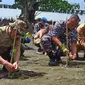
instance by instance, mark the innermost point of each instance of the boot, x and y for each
(52, 61)
(58, 57)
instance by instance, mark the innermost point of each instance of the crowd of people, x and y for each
(53, 39)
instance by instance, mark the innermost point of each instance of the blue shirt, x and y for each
(59, 30)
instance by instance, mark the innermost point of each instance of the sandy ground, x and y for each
(34, 70)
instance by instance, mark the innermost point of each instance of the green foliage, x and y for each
(28, 7)
(48, 5)
(56, 6)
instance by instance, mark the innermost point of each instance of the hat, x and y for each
(44, 19)
(18, 24)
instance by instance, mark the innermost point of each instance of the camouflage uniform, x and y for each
(81, 38)
(6, 43)
(58, 30)
(37, 27)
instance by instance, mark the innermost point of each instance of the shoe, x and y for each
(84, 55)
(59, 60)
(44, 53)
(77, 58)
(52, 63)
(40, 53)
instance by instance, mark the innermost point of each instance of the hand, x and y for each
(9, 66)
(72, 57)
(15, 64)
(83, 44)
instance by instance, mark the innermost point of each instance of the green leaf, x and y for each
(14, 50)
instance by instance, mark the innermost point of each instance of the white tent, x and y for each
(9, 13)
(14, 13)
(56, 16)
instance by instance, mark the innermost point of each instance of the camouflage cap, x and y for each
(18, 24)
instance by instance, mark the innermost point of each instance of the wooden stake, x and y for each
(12, 56)
(67, 54)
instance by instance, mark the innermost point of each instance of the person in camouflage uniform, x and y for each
(54, 43)
(9, 34)
(81, 38)
(42, 24)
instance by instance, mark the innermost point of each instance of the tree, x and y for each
(57, 6)
(28, 7)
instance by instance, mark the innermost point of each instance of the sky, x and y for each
(10, 2)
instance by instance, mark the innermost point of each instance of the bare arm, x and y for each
(73, 48)
(7, 64)
(57, 41)
(2, 61)
(73, 51)
(41, 32)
